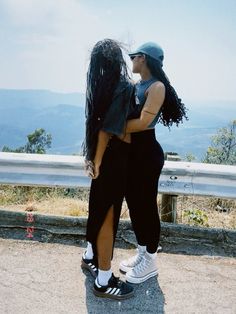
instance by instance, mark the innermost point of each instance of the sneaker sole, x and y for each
(86, 266)
(142, 279)
(112, 296)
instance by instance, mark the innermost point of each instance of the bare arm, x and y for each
(154, 101)
(103, 139)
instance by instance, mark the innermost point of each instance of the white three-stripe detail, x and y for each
(117, 291)
(108, 290)
(92, 266)
(113, 291)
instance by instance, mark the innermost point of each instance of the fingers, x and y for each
(90, 174)
(93, 173)
(92, 170)
(96, 173)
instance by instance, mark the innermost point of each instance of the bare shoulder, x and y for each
(157, 87)
(157, 90)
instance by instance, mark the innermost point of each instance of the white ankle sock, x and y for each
(89, 251)
(152, 255)
(104, 276)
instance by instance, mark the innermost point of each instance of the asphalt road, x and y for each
(46, 278)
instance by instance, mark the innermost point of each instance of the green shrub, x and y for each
(196, 217)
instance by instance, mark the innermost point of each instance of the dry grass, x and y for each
(54, 206)
(56, 201)
(74, 202)
(221, 213)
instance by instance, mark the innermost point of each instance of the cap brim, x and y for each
(133, 53)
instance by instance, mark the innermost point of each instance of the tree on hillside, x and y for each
(223, 146)
(37, 143)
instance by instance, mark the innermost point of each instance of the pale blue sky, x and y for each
(45, 44)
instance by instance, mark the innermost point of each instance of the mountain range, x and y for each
(62, 115)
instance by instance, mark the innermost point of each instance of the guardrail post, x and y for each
(169, 202)
(169, 208)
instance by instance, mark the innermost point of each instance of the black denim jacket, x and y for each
(121, 108)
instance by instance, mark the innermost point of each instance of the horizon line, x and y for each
(83, 93)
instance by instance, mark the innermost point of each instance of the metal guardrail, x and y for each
(68, 171)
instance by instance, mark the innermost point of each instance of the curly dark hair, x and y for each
(105, 70)
(172, 110)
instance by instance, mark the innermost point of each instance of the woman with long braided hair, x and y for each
(156, 101)
(109, 97)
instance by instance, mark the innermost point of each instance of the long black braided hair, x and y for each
(172, 110)
(105, 70)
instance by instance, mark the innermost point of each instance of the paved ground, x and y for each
(47, 278)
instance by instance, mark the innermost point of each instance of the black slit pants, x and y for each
(108, 190)
(146, 161)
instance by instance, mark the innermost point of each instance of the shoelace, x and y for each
(115, 281)
(134, 260)
(142, 266)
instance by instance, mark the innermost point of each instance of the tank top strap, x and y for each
(141, 88)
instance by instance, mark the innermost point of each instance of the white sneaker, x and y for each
(146, 269)
(133, 261)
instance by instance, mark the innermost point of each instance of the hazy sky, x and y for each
(45, 44)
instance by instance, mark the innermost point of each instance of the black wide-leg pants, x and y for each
(146, 160)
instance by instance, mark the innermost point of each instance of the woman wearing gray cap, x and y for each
(157, 101)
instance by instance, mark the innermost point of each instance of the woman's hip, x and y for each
(144, 146)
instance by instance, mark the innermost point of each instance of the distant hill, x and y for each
(39, 98)
(62, 115)
(194, 135)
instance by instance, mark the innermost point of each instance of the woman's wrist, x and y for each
(97, 162)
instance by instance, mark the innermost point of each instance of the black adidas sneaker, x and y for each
(90, 265)
(116, 289)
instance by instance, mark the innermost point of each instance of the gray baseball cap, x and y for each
(150, 49)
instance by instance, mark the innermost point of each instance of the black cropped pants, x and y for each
(146, 161)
